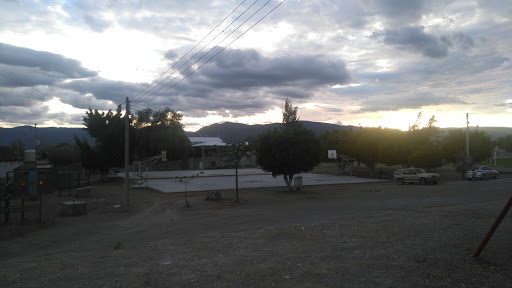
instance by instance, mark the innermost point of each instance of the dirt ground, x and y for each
(351, 235)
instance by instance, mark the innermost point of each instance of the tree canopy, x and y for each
(290, 150)
(160, 130)
(150, 133)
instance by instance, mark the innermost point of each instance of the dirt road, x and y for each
(351, 235)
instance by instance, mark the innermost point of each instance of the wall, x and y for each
(8, 167)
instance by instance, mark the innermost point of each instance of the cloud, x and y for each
(416, 40)
(246, 82)
(409, 101)
(101, 89)
(397, 10)
(45, 61)
(171, 55)
(241, 69)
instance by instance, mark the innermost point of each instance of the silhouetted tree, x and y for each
(288, 151)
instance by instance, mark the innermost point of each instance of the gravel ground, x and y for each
(351, 235)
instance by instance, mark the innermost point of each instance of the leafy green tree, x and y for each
(454, 147)
(367, 147)
(505, 142)
(425, 146)
(64, 154)
(288, 151)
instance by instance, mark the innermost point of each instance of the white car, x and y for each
(481, 173)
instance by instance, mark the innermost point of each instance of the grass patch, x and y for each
(503, 162)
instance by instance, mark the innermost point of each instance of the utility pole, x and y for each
(35, 137)
(467, 135)
(126, 154)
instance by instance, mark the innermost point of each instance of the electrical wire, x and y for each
(211, 49)
(224, 48)
(26, 85)
(193, 49)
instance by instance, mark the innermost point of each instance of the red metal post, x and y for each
(40, 203)
(493, 227)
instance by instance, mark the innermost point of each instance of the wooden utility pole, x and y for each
(126, 154)
(467, 135)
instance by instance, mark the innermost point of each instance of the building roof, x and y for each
(206, 141)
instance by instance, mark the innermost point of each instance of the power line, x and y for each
(224, 48)
(25, 84)
(211, 49)
(193, 49)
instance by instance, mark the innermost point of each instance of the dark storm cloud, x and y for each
(21, 96)
(25, 115)
(102, 89)
(242, 69)
(246, 82)
(416, 40)
(20, 76)
(45, 61)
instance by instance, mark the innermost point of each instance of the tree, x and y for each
(151, 132)
(290, 113)
(367, 147)
(425, 146)
(64, 154)
(454, 147)
(505, 142)
(288, 151)
(160, 130)
(235, 153)
(108, 131)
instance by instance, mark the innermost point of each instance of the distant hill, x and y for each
(46, 135)
(235, 132)
(229, 132)
(494, 132)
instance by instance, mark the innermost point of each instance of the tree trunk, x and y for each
(236, 180)
(288, 179)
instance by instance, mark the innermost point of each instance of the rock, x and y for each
(213, 195)
(72, 208)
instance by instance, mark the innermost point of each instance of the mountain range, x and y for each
(229, 132)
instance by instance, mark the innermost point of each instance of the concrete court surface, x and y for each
(222, 179)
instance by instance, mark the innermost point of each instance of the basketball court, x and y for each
(223, 179)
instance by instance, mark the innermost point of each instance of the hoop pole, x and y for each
(493, 228)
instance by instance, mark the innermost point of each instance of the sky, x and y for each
(354, 62)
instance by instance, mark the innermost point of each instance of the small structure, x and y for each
(73, 208)
(205, 142)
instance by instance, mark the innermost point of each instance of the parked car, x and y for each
(481, 173)
(415, 175)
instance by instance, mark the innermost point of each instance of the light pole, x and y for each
(495, 152)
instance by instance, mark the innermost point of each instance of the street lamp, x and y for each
(495, 152)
